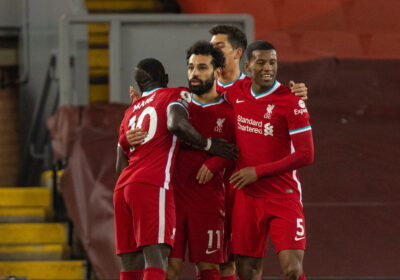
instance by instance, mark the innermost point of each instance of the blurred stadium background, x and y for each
(65, 68)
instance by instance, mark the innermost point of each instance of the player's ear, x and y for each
(246, 66)
(238, 53)
(217, 72)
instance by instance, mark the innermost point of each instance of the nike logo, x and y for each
(299, 238)
(239, 101)
(211, 252)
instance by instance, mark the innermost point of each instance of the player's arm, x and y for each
(303, 156)
(299, 89)
(210, 166)
(178, 124)
(122, 160)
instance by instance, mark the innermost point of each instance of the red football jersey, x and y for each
(211, 120)
(151, 162)
(263, 125)
(221, 87)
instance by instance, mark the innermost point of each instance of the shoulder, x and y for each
(180, 96)
(292, 104)
(129, 109)
(285, 93)
(240, 86)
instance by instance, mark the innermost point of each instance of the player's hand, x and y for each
(243, 177)
(133, 94)
(135, 136)
(299, 89)
(220, 147)
(204, 175)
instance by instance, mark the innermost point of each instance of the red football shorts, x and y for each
(253, 218)
(144, 215)
(203, 232)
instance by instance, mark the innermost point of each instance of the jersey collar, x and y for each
(241, 76)
(146, 93)
(219, 101)
(274, 87)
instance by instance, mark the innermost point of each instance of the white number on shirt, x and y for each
(151, 112)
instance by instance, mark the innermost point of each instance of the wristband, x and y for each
(208, 146)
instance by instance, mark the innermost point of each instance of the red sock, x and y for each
(210, 274)
(131, 274)
(232, 277)
(154, 273)
(302, 277)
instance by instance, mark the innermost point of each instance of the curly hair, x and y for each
(206, 48)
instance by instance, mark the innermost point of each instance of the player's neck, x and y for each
(260, 89)
(208, 97)
(230, 75)
(151, 87)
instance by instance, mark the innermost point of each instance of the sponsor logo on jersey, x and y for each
(268, 129)
(239, 101)
(268, 114)
(303, 109)
(249, 125)
(300, 112)
(220, 123)
(143, 103)
(249, 121)
(252, 126)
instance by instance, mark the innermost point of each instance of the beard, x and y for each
(203, 87)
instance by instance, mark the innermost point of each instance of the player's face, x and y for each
(221, 41)
(263, 67)
(201, 74)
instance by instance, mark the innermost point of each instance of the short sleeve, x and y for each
(297, 116)
(181, 97)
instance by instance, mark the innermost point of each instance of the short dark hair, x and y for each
(236, 37)
(206, 48)
(258, 45)
(153, 68)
